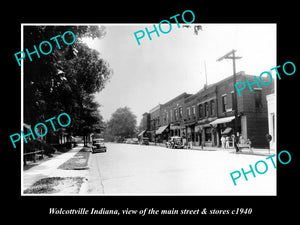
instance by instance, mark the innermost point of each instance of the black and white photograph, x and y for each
(150, 113)
(110, 111)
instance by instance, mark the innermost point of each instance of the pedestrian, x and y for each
(235, 143)
(184, 142)
(223, 140)
(190, 143)
(227, 142)
(242, 140)
(248, 142)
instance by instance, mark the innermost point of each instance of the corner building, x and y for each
(216, 116)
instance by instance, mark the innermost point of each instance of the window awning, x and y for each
(227, 130)
(161, 129)
(141, 133)
(222, 120)
(191, 123)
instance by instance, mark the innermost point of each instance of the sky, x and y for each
(160, 69)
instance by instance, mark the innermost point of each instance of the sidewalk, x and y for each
(49, 168)
(246, 151)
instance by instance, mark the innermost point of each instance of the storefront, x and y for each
(190, 131)
(162, 133)
(223, 127)
(198, 135)
(208, 135)
(175, 130)
(205, 133)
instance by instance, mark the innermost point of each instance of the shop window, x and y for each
(208, 134)
(206, 105)
(180, 112)
(212, 108)
(176, 114)
(200, 111)
(188, 111)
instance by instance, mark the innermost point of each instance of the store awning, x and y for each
(141, 133)
(227, 130)
(191, 123)
(161, 129)
(174, 127)
(222, 120)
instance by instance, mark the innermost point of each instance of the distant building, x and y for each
(145, 126)
(154, 121)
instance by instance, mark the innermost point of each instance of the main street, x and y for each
(154, 170)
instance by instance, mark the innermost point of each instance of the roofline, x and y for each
(214, 85)
(184, 94)
(155, 108)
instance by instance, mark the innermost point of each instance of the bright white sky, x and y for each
(166, 66)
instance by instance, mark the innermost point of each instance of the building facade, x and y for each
(144, 129)
(172, 117)
(204, 117)
(201, 109)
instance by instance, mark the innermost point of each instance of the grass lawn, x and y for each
(52, 185)
(78, 161)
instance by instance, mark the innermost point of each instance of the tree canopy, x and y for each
(66, 79)
(122, 124)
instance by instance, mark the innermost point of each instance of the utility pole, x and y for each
(231, 55)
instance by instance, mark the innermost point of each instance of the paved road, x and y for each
(152, 170)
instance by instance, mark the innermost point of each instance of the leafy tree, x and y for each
(66, 79)
(122, 124)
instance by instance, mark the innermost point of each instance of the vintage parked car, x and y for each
(98, 145)
(135, 141)
(175, 142)
(144, 141)
(132, 141)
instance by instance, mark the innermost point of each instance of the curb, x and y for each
(84, 186)
(252, 153)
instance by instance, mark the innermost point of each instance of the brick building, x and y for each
(201, 109)
(207, 115)
(172, 116)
